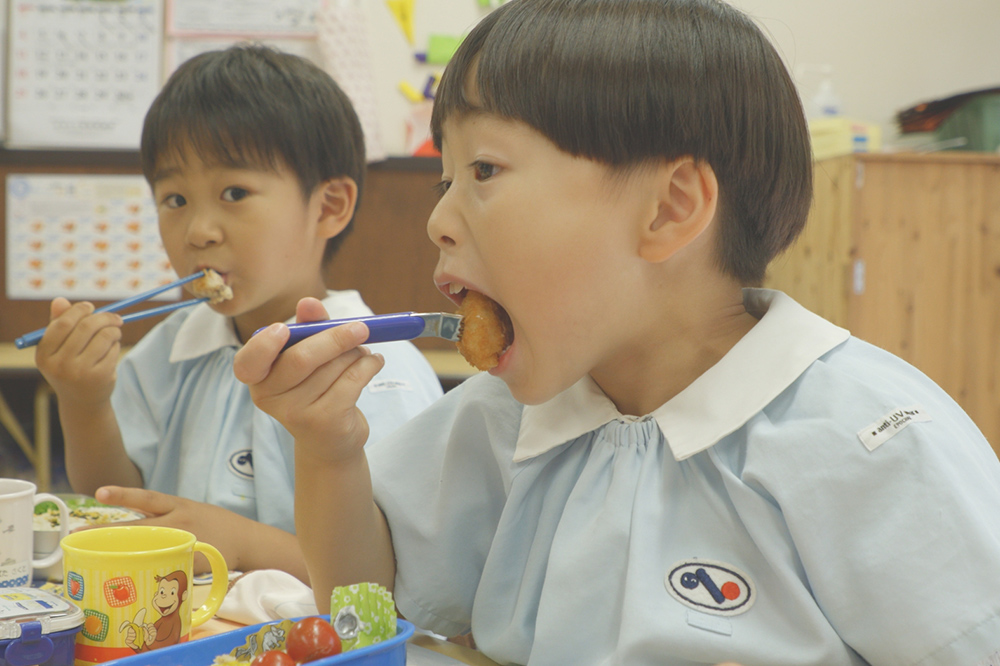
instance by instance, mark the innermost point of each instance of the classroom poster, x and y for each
(289, 18)
(81, 73)
(83, 237)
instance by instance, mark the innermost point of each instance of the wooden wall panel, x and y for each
(923, 231)
(928, 229)
(816, 269)
(388, 256)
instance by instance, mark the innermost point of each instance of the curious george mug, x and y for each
(134, 586)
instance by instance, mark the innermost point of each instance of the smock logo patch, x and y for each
(711, 587)
(241, 464)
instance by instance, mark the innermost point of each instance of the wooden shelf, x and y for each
(904, 251)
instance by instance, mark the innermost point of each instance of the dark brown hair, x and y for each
(251, 105)
(630, 82)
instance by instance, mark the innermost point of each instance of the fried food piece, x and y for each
(211, 286)
(486, 331)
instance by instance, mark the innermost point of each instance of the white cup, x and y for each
(17, 510)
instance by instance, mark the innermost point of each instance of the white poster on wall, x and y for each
(82, 73)
(83, 237)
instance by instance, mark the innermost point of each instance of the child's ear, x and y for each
(337, 199)
(688, 198)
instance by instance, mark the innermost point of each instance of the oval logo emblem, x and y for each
(711, 587)
(241, 464)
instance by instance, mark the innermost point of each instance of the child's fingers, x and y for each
(148, 502)
(325, 403)
(76, 329)
(64, 319)
(312, 371)
(58, 306)
(93, 336)
(302, 360)
(252, 364)
(296, 383)
(310, 309)
(338, 384)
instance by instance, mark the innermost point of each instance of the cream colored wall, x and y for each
(887, 54)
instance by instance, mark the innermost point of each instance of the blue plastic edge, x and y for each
(202, 651)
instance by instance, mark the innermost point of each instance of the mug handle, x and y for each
(56, 554)
(220, 584)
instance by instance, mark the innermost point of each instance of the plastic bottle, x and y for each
(826, 102)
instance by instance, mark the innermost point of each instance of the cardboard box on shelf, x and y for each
(837, 135)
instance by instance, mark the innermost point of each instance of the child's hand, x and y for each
(209, 523)
(245, 544)
(312, 388)
(79, 352)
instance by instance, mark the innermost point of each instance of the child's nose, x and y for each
(441, 226)
(203, 230)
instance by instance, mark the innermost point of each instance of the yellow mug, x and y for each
(134, 586)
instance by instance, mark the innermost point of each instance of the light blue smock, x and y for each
(809, 500)
(193, 431)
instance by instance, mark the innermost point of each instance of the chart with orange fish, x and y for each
(85, 237)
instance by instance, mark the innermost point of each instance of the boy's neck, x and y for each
(245, 324)
(674, 350)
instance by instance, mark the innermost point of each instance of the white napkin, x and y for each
(266, 595)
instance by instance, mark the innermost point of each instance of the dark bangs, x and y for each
(251, 106)
(627, 82)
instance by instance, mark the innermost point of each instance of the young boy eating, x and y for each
(666, 465)
(256, 161)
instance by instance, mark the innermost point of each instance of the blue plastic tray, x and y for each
(202, 651)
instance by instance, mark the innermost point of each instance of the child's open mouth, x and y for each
(487, 331)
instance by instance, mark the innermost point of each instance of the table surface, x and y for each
(12, 358)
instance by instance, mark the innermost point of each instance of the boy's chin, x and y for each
(531, 392)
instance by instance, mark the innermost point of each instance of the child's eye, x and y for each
(442, 187)
(233, 194)
(174, 201)
(484, 170)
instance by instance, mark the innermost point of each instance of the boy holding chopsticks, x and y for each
(256, 161)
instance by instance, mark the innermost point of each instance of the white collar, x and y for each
(203, 332)
(786, 340)
(206, 331)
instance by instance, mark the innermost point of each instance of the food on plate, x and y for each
(211, 286)
(83, 512)
(486, 331)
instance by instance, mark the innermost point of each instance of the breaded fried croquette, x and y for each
(212, 287)
(486, 331)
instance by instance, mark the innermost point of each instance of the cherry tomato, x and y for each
(312, 638)
(272, 658)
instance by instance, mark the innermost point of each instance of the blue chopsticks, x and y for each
(32, 339)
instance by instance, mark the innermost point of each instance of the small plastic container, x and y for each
(203, 651)
(37, 627)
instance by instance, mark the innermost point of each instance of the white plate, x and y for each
(46, 525)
